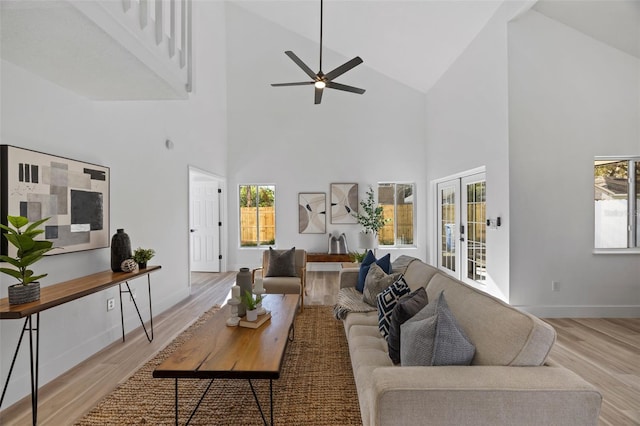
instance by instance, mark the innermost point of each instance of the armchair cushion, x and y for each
(282, 263)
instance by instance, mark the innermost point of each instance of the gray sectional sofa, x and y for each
(509, 382)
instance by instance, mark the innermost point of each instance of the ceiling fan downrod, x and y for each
(319, 79)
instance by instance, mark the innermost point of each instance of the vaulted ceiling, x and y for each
(416, 41)
(411, 41)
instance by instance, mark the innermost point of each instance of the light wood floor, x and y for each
(606, 352)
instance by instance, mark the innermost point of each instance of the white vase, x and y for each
(368, 240)
(252, 315)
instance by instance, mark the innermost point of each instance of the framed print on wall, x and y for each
(344, 201)
(73, 194)
(312, 212)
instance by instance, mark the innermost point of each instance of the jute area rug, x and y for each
(316, 386)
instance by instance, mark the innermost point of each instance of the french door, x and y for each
(462, 227)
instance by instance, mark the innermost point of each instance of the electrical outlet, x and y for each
(555, 286)
(111, 304)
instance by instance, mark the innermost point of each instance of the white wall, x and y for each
(534, 101)
(467, 128)
(571, 98)
(148, 191)
(278, 136)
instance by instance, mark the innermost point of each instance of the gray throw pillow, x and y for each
(406, 308)
(416, 341)
(435, 340)
(376, 281)
(282, 263)
(451, 346)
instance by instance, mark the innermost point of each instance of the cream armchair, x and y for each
(284, 284)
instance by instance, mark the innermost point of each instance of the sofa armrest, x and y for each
(348, 277)
(482, 395)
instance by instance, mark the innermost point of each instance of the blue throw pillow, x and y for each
(384, 262)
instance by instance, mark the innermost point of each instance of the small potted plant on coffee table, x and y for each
(251, 304)
(29, 251)
(142, 256)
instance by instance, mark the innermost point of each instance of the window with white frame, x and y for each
(616, 202)
(257, 215)
(397, 201)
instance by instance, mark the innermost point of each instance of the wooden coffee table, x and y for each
(218, 351)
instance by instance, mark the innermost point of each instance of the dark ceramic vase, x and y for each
(243, 280)
(120, 250)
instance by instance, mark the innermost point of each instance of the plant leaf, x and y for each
(10, 260)
(12, 272)
(36, 278)
(35, 224)
(18, 221)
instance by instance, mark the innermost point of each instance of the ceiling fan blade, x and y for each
(343, 68)
(338, 86)
(302, 83)
(301, 64)
(318, 96)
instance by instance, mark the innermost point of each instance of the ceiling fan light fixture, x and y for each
(321, 80)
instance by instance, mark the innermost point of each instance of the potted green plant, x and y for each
(371, 218)
(357, 257)
(29, 251)
(142, 256)
(251, 304)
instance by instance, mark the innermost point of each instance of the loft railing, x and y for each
(165, 23)
(162, 26)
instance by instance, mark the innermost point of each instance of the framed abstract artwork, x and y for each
(74, 195)
(344, 201)
(312, 212)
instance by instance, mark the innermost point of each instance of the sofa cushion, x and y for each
(376, 281)
(406, 307)
(387, 300)
(384, 262)
(282, 263)
(502, 334)
(435, 340)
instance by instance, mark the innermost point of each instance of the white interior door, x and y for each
(204, 224)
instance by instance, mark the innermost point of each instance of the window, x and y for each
(257, 215)
(617, 202)
(396, 200)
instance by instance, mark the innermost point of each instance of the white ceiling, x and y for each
(413, 42)
(614, 22)
(416, 41)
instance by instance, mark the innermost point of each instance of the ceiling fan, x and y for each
(319, 79)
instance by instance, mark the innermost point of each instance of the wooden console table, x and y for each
(326, 257)
(56, 295)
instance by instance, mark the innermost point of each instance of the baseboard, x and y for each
(575, 311)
